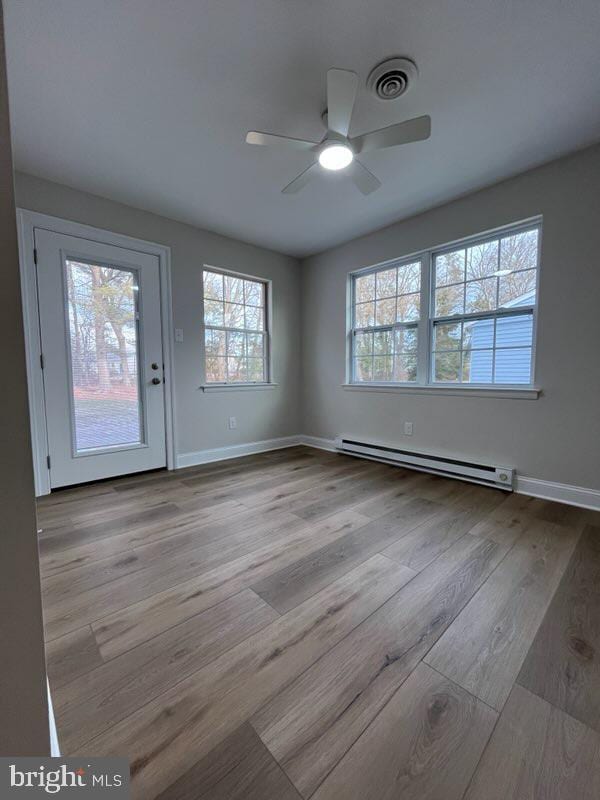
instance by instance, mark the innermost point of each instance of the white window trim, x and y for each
(424, 385)
(239, 385)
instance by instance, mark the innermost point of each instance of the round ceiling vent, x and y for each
(392, 78)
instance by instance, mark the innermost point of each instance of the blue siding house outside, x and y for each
(513, 364)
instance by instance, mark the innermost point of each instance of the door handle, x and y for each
(156, 381)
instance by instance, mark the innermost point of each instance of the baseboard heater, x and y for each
(498, 477)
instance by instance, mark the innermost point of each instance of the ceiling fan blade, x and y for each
(364, 179)
(413, 130)
(257, 137)
(301, 181)
(342, 85)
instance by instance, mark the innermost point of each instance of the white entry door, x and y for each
(100, 326)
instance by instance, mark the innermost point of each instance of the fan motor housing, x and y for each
(392, 78)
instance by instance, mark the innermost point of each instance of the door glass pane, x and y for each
(101, 309)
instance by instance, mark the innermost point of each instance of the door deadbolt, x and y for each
(156, 381)
(154, 365)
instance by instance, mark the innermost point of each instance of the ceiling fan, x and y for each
(336, 150)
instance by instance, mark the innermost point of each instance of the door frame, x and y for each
(27, 221)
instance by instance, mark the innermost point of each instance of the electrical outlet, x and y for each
(232, 423)
(408, 428)
(179, 334)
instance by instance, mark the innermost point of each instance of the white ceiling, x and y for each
(148, 102)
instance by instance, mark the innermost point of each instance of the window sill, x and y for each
(237, 387)
(454, 391)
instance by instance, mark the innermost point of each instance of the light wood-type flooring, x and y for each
(303, 624)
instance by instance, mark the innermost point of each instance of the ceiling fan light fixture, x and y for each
(336, 156)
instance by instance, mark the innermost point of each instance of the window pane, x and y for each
(215, 370)
(408, 307)
(101, 320)
(236, 369)
(255, 345)
(214, 343)
(364, 288)
(406, 340)
(385, 312)
(236, 344)
(449, 301)
(234, 315)
(365, 315)
(405, 368)
(383, 343)
(513, 365)
(482, 260)
(514, 331)
(253, 293)
(447, 367)
(517, 289)
(382, 368)
(409, 278)
(234, 289)
(256, 369)
(386, 283)
(363, 369)
(481, 295)
(450, 268)
(447, 336)
(363, 344)
(237, 305)
(478, 334)
(519, 251)
(477, 366)
(254, 317)
(213, 285)
(213, 312)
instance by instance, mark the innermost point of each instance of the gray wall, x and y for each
(23, 704)
(201, 418)
(556, 437)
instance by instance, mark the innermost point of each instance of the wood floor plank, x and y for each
(210, 546)
(240, 768)
(217, 522)
(424, 744)
(228, 567)
(537, 752)
(329, 499)
(202, 710)
(102, 697)
(563, 664)
(291, 585)
(404, 488)
(159, 649)
(122, 630)
(484, 648)
(99, 530)
(71, 655)
(504, 528)
(311, 724)
(287, 487)
(421, 545)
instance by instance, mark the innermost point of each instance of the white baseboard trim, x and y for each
(559, 492)
(235, 451)
(320, 444)
(546, 490)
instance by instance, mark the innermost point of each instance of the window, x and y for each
(481, 297)
(387, 308)
(235, 329)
